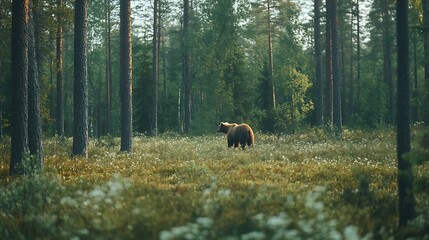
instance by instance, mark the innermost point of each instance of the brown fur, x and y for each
(237, 134)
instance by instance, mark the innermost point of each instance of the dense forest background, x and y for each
(238, 61)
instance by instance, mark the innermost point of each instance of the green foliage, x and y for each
(372, 106)
(419, 157)
(291, 114)
(309, 184)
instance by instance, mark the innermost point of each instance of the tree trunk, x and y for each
(52, 85)
(425, 113)
(1, 106)
(108, 71)
(126, 76)
(186, 68)
(387, 60)
(270, 57)
(335, 67)
(329, 77)
(406, 203)
(343, 84)
(19, 103)
(155, 70)
(318, 104)
(351, 82)
(67, 121)
(414, 92)
(80, 137)
(358, 83)
(60, 103)
(34, 121)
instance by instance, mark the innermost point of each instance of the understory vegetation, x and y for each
(311, 184)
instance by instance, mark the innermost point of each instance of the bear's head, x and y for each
(224, 126)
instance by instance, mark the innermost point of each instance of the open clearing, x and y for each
(177, 187)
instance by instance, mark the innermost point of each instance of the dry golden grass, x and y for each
(177, 187)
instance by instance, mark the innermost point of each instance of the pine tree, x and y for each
(19, 61)
(80, 121)
(126, 76)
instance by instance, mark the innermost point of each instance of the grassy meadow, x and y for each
(307, 185)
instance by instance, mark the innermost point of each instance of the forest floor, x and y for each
(311, 184)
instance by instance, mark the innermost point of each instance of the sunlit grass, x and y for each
(177, 187)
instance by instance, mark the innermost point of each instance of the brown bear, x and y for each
(237, 133)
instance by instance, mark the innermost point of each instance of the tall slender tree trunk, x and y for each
(1, 106)
(108, 71)
(351, 82)
(126, 76)
(52, 84)
(329, 77)
(414, 92)
(155, 70)
(425, 113)
(60, 102)
(186, 68)
(387, 62)
(80, 136)
(335, 67)
(343, 83)
(34, 121)
(164, 66)
(358, 46)
(67, 121)
(1, 117)
(270, 56)
(406, 203)
(19, 62)
(318, 57)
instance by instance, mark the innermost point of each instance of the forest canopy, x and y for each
(246, 61)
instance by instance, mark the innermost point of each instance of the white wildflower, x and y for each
(166, 235)
(97, 194)
(253, 236)
(68, 201)
(224, 193)
(276, 222)
(205, 222)
(351, 233)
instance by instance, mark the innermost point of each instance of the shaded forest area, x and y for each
(264, 63)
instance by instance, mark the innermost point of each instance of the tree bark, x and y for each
(387, 60)
(108, 71)
(126, 75)
(1, 106)
(155, 61)
(406, 201)
(329, 77)
(34, 121)
(60, 102)
(335, 67)
(80, 137)
(270, 57)
(186, 68)
(318, 67)
(358, 73)
(425, 113)
(19, 103)
(351, 82)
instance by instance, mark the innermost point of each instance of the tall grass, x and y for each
(309, 184)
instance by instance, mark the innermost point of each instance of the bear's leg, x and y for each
(243, 145)
(235, 145)
(230, 143)
(249, 142)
